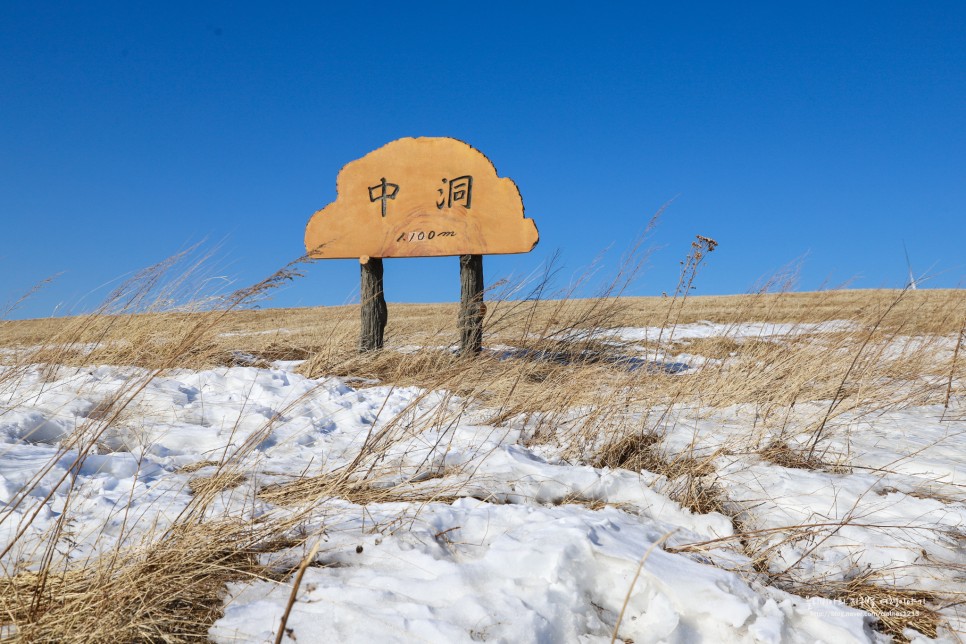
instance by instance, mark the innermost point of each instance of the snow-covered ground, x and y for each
(520, 545)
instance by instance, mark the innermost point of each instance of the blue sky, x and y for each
(831, 133)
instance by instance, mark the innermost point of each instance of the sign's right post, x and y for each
(471, 304)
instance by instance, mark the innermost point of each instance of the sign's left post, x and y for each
(374, 311)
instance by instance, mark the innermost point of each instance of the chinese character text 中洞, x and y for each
(383, 192)
(458, 190)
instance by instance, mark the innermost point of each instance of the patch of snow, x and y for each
(532, 549)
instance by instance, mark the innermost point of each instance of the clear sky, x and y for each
(831, 133)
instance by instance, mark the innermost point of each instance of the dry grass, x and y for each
(920, 313)
(643, 453)
(691, 480)
(210, 485)
(310, 490)
(782, 454)
(895, 609)
(168, 590)
(560, 372)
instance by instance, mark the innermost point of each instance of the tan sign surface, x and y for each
(422, 197)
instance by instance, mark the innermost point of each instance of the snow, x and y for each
(744, 330)
(515, 573)
(529, 548)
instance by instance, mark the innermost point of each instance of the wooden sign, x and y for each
(421, 197)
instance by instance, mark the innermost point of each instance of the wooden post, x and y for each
(374, 312)
(471, 304)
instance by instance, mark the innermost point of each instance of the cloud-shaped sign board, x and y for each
(421, 197)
